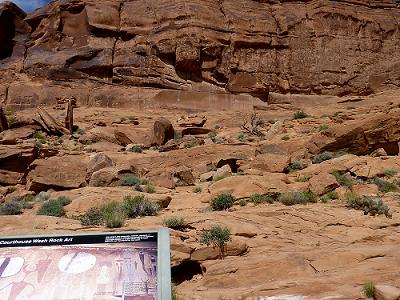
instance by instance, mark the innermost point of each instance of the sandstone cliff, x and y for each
(237, 46)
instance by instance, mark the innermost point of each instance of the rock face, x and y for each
(58, 173)
(238, 46)
(162, 131)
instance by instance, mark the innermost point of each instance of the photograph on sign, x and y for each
(86, 267)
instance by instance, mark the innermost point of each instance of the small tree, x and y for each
(216, 236)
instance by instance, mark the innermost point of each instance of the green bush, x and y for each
(136, 149)
(302, 178)
(385, 186)
(323, 127)
(343, 179)
(94, 216)
(296, 197)
(177, 223)
(41, 197)
(114, 215)
(64, 200)
(300, 115)
(257, 199)
(286, 138)
(222, 202)
(295, 166)
(139, 206)
(329, 196)
(390, 172)
(370, 205)
(242, 202)
(369, 289)
(149, 188)
(11, 208)
(129, 180)
(216, 236)
(319, 158)
(197, 189)
(53, 208)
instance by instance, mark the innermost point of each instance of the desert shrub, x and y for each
(11, 208)
(222, 202)
(242, 202)
(300, 115)
(390, 172)
(343, 179)
(257, 199)
(177, 137)
(323, 127)
(216, 236)
(129, 180)
(197, 189)
(319, 158)
(177, 223)
(242, 137)
(39, 137)
(94, 216)
(370, 205)
(174, 293)
(385, 186)
(139, 206)
(296, 197)
(27, 205)
(64, 200)
(42, 196)
(218, 178)
(302, 178)
(114, 215)
(329, 196)
(149, 188)
(369, 289)
(52, 207)
(295, 166)
(11, 189)
(286, 138)
(136, 149)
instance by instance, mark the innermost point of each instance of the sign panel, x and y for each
(106, 266)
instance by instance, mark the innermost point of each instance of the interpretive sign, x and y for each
(105, 266)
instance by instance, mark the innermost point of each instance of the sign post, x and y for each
(94, 266)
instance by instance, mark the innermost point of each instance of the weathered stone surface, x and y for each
(9, 177)
(184, 176)
(97, 162)
(274, 163)
(109, 175)
(58, 173)
(209, 44)
(365, 189)
(122, 138)
(222, 172)
(233, 248)
(386, 292)
(362, 136)
(162, 131)
(322, 183)
(195, 130)
(11, 136)
(17, 158)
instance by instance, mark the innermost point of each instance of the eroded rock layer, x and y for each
(236, 46)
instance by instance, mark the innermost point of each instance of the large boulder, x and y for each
(17, 158)
(58, 173)
(361, 137)
(97, 162)
(274, 163)
(323, 183)
(162, 131)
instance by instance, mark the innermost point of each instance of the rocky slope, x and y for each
(320, 250)
(241, 46)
